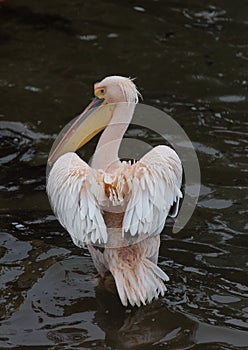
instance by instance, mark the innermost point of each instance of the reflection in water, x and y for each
(138, 327)
(191, 60)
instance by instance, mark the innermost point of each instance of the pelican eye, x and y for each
(100, 92)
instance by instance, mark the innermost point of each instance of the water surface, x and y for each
(190, 60)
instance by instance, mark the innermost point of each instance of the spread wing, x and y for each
(78, 193)
(75, 193)
(156, 183)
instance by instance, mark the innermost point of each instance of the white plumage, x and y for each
(79, 193)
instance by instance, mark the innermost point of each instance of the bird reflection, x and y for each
(135, 327)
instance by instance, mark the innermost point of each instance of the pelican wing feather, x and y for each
(74, 192)
(156, 184)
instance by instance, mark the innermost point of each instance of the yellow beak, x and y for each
(82, 129)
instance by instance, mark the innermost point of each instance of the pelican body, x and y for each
(117, 209)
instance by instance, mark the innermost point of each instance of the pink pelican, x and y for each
(116, 208)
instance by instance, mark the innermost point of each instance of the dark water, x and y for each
(190, 59)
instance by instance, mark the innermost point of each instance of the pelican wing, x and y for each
(75, 192)
(156, 183)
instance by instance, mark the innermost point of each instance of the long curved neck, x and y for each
(106, 154)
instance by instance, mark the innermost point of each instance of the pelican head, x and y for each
(108, 92)
(116, 89)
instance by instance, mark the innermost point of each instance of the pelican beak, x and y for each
(82, 129)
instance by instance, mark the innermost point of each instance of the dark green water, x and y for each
(190, 59)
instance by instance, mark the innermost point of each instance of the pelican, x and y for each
(117, 208)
